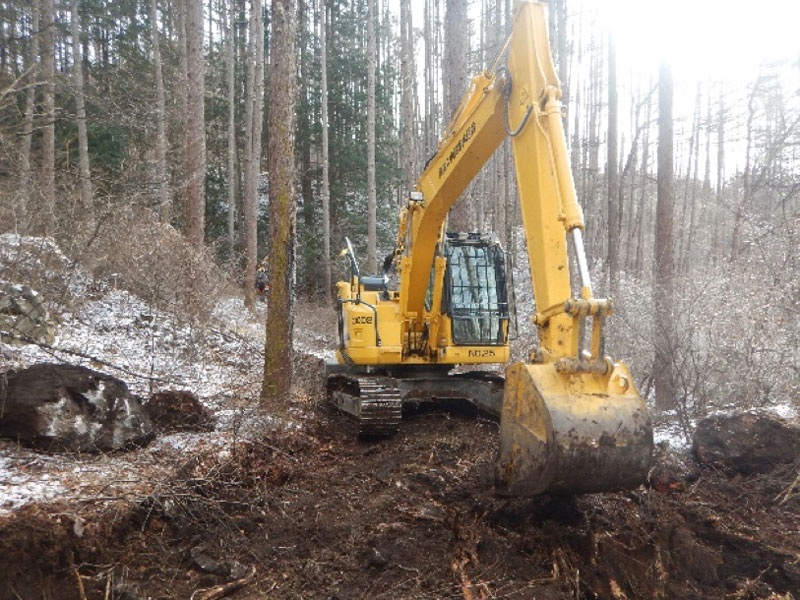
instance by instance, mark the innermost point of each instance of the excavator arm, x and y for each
(521, 101)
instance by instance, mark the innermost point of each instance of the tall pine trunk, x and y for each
(612, 171)
(87, 201)
(278, 348)
(253, 111)
(407, 95)
(165, 208)
(326, 186)
(48, 183)
(230, 19)
(195, 124)
(372, 228)
(454, 72)
(663, 283)
(24, 195)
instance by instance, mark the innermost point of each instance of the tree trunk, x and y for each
(161, 118)
(278, 347)
(454, 70)
(87, 201)
(613, 169)
(23, 202)
(747, 178)
(195, 125)
(407, 98)
(252, 155)
(663, 284)
(720, 175)
(326, 186)
(48, 183)
(230, 14)
(372, 230)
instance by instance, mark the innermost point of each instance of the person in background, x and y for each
(262, 281)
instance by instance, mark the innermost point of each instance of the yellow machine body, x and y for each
(571, 419)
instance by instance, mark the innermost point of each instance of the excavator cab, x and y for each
(475, 290)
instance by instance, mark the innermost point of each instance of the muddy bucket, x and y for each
(571, 433)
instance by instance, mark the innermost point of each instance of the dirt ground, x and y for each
(311, 512)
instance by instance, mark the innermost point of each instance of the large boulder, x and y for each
(70, 408)
(23, 316)
(746, 442)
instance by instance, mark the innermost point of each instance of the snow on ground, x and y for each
(114, 331)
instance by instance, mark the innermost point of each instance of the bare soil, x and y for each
(319, 514)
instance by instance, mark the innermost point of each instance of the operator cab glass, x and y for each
(475, 292)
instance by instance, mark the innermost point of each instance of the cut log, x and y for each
(747, 442)
(70, 408)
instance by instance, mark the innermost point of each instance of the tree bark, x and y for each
(230, 18)
(253, 112)
(48, 183)
(195, 125)
(278, 347)
(164, 204)
(407, 97)
(454, 70)
(326, 186)
(80, 114)
(720, 174)
(663, 284)
(613, 169)
(372, 230)
(24, 198)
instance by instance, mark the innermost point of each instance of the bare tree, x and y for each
(165, 208)
(612, 169)
(372, 230)
(230, 18)
(407, 94)
(663, 284)
(454, 69)
(48, 181)
(253, 112)
(278, 349)
(326, 185)
(27, 126)
(195, 125)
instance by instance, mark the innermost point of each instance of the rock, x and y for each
(23, 316)
(747, 442)
(71, 408)
(203, 562)
(175, 410)
(376, 560)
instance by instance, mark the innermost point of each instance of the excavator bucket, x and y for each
(567, 433)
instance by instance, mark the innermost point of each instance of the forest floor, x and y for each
(308, 511)
(293, 505)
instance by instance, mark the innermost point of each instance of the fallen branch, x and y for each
(226, 589)
(788, 491)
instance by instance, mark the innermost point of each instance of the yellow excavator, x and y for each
(571, 420)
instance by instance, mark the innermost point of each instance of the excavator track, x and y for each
(374, 401)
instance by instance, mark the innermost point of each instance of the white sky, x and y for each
(704, 39)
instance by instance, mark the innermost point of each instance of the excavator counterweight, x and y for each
(571, 419)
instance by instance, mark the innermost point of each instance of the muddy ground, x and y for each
(311, 512)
